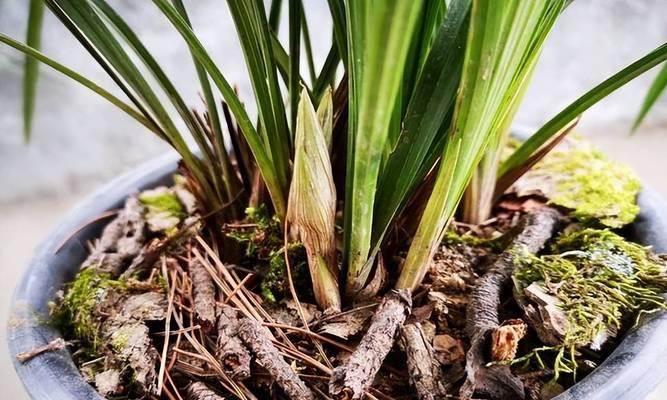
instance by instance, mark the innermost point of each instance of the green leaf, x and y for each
(378, 31)
(502, 44)
(422, 138)
(654, 92)
(87, 19)
(31, 67)
(307, 45)
(274, 14)
(295, 13)
(276, 186)
(311, 210)
(337, 10)
(327, 74)
(33, 53)
(583, 103)
(480, 193)
(253, 33)
(230, 181)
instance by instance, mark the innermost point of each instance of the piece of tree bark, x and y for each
(505, 339)
(108, 382)
(233, 356)
(121, 240)
(424, 371)
(498, 382)
(349, 381)
(203, 291)
(258, 339)
(199, 391)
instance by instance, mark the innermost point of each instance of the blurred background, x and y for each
(79, 141)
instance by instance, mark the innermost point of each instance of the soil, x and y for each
(159, 310)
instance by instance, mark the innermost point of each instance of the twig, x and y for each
(425, 373)
(199, 391)
(54, 345)
(351, 380)
(258, 340)
(167, 327)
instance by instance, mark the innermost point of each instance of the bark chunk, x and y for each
(349, 381)
(498, 382)
(199, 391)
(233, 356)
(424, 371)
(121, 241)
(203, 290)
(258, 339)
(108, 382)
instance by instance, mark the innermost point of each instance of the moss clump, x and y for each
(158, 202)
(495, 244)
(261, 234)
(584, 180)
(75, 314)
(275, 284)
(120, 339)
(600, 281)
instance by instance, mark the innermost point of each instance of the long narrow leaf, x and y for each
(295, 13)
(274, 14)
(429, 110)
(501, 44)
(253, 32)
(327, 74)
(276, 187)
(307, 45)
(381, 32)
(126, 108)
(337, 10)
(657, 88)
(232, 185)
(582, 104)
(31, 67)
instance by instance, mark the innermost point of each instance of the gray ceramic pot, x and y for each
(629, 373)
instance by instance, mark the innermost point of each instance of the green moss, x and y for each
(260, 216)
(263, 235)
(275, 284)
(74, 315)
(453, 238)
(121, 339)
(163, 202)
(584, 180)
(600, 280)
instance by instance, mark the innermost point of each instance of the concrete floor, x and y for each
(80, 142)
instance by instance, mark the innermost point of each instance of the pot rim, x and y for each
(625, 374)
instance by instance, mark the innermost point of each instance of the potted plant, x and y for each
(313, 253)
